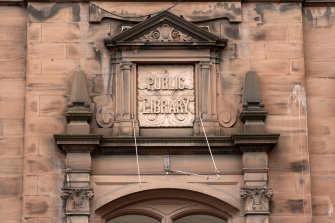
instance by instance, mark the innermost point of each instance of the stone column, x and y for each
(205, 88)
(124, 117)
(255, 193)
(255, 142)
(205, 91)
(126, 91)
(78, 144)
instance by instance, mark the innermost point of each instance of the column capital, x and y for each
(77, 200)
(126, 65)
(205, 65)
(256, 199)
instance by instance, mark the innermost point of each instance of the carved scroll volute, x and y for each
(105, 115)
(256, 199)
(77, 200)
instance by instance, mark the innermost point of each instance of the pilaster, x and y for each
(78, 144)
(255, 142)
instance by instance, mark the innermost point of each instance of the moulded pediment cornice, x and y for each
(304, 2)
(165, 29)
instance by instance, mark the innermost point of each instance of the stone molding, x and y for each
(256, 199)
(77, 200)
(166, 27)
(235, 144)
(77, 143)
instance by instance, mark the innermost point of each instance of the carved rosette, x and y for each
(105, 116)
(77, 200)
(165, 33)
(256, 199)
(228, 117)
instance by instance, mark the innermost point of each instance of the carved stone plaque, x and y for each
(166, 95)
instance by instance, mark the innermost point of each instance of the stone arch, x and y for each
(195, 203)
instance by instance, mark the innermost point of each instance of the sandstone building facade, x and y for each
(172, 111)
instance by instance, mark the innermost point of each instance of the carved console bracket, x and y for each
(77, 200)
(256, 199)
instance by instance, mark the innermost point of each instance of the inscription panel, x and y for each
(166, 95)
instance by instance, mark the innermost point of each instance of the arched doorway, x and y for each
(167, 206)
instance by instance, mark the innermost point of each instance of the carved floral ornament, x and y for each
(165, 33)
(256, 199)
(77, 199)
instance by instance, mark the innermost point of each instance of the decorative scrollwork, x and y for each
(228, 117)
(256, 199)
(165, 33)
(105, 116)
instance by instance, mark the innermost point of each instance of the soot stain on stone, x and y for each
(299, 166)
(97, 54)
(37, 207)
(302, 181)
(271, 206)
(236, 10)
(261, 7)
(287, 7)
(75, 12)
(232, 32)
(260, 36)
(46, 14)
(296, 206)
(328, 13)
(200, 12)
(308, 14)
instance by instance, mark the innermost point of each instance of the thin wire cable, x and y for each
(209, 148)
(137, 160)
(194, 174)
(136, 17)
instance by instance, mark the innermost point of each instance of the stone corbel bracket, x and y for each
(255, 142)
(77, 200)
(77, 143)
(256, 199)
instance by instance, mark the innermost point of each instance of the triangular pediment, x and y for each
(165, 29)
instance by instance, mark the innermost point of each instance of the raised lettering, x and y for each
(164, 106)
(150, 82)
(185, 103)
(157, 106)
(179, 106)
(181, 85)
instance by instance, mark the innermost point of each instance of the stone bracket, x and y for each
(77, 143)
(255, 142)
(256, 199)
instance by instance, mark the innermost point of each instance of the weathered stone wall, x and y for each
(319, 33)
(52, 32)
(275, 40)
(272, 41)
(12, 86)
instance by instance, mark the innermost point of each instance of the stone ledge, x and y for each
(235, 144)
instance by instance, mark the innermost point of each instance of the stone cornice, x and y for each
(312, 2)
(234, 144)
(304, 2)
(77, 143)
